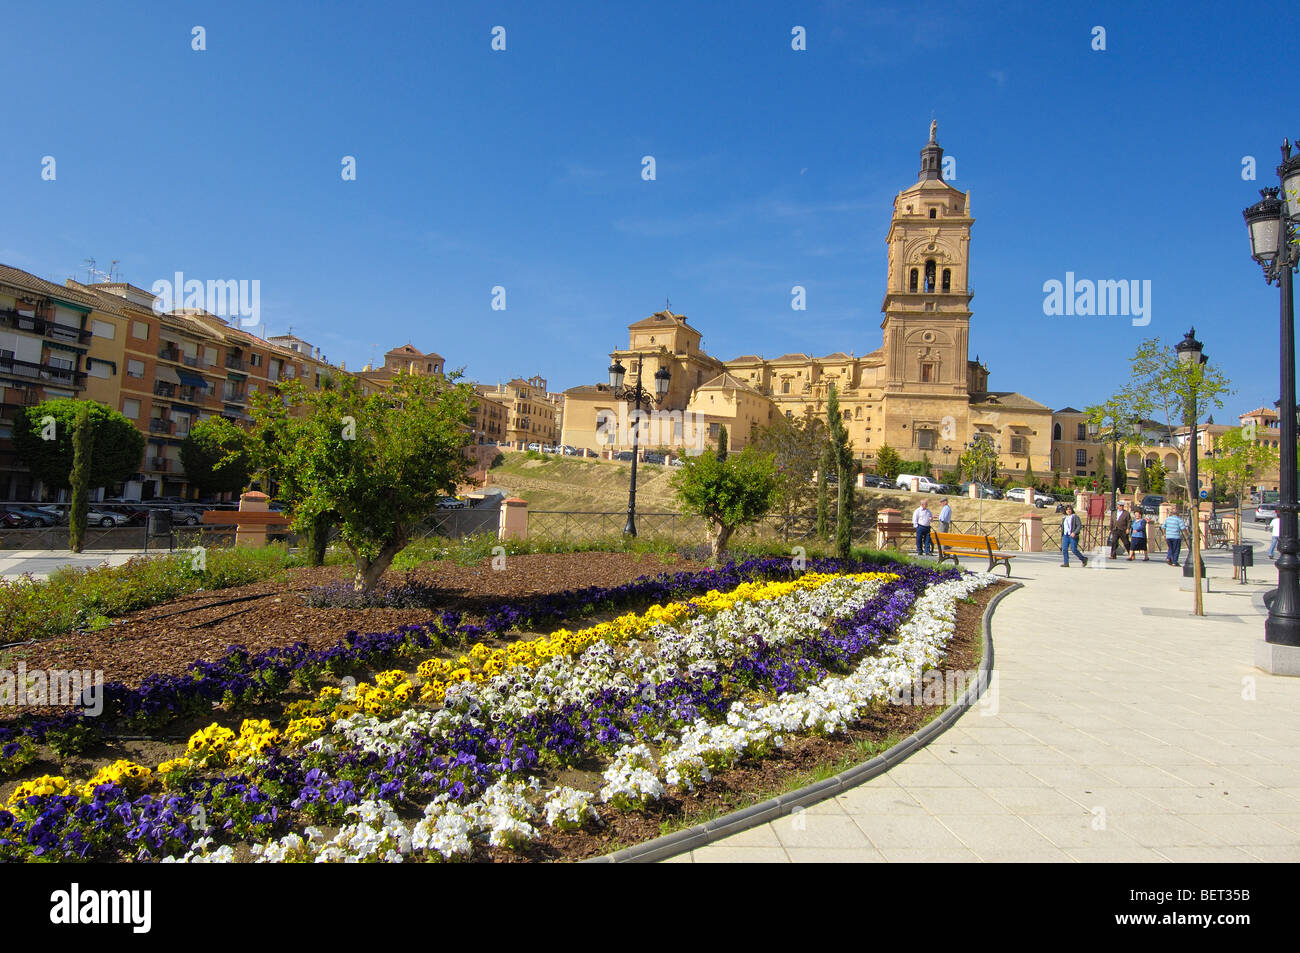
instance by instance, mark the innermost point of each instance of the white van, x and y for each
(904, 482)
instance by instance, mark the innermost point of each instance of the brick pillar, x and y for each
(514, 519)
(253, 534)
(973, 491)
(1029, 496)
(891, 519)
(1031, 533)
(916, 484)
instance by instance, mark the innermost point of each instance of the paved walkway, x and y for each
(1124, 729)
(41, 562)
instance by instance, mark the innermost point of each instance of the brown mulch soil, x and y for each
(168, 637)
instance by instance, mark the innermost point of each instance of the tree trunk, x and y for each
(83, 442)
(718, 540)
(369, 571)
(317, 539)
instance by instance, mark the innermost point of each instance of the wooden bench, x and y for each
(953, 545)
(893, 532)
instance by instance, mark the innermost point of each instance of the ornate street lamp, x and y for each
(1190, 353)
(1272, 223)
(637, 394)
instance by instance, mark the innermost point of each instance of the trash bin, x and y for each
(160, 524)
(1243, 555)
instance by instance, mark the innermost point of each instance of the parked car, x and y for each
(624, 455)
(927, 485)
(1264, 512)
(33, 517)
(1044, 500)
(653, 457)
(535, 446)
(106, 518)
(1150, 504)
(60, 513)
(11, 520)
(570, 451)
(134, 513)
(985, 491)
(877, 481)
(450, 503)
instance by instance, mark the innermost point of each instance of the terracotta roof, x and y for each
(1006, 398)
(29, 282)
(748, 358)
(590, 390)
(728, 381)
(663, 319)
(793, 357)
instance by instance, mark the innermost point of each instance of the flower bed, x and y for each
(487, 746)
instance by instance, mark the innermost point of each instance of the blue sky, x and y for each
(775, 168)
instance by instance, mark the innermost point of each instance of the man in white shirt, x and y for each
(1274, 527)
(921, 520)
(945, 516)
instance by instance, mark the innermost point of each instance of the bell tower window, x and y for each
(929, 275)
(947, 280)
(915, 277)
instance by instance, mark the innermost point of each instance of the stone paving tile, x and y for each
(1287, 854)
(879, 801)
(1206, 855)
(997, 775)
(1116, 855)
(720, 854)
(928, 855)
(968, 800)
(911, 775)
(761, 836)
(1024, 801)
(1164, 830)
(1243, 830)
(819, 831)
(822, 855)
(892, 831)
(994, 832)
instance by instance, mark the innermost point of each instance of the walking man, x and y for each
(1173, 528)
(1275, 528)
(1119, 532)
(921, 520)
(1071, 527)
(945, 516)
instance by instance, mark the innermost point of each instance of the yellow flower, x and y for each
(38, 787)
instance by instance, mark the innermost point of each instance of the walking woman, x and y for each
(1071, 527)
(1139, 537)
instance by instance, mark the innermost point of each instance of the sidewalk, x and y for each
(1123, 729)
(41, 562)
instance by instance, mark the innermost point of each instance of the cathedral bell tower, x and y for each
(927, 294)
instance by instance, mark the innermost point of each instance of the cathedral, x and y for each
(919, 392)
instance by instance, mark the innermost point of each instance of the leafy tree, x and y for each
(842, 454)
(794, 445)
(376, 464)
(1238, 462)
(888, 463)
(1160, 384)
(216, 457)
(119, 446)
(1030, 479)
(727, 493)
(83, 444)
(926, 468)
(979, 463)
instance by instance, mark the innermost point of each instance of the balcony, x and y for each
(43, 372)
(236, 364)
(35, 325)
(160, 426)
(169, 354)
(164, 389)
(234, 396)
(190, 361)
(159, 464)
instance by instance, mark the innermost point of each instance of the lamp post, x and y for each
(1272, 223)
(1190, 353)
(636, 393)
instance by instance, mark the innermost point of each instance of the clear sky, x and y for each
(774, 167)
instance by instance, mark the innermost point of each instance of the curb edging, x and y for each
(692, 838)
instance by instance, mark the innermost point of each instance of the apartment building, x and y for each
(532, 412)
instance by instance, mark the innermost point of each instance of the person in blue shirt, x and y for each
(1174, 527)
(945, 516)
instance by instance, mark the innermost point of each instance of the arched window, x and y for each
(858, 413)
(915, 276)
(947, 280)
(785, 386)
(848, 415)
(1056, 431)
(929, 275)
(933, 212)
